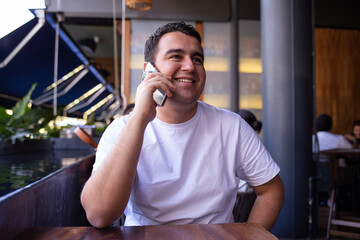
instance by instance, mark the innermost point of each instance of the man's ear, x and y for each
(144, 65)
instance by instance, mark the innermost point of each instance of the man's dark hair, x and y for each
(152, 43)
(323, 123)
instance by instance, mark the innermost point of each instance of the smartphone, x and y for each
(159, 95)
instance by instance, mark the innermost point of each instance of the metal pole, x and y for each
(287, 59)
(234, 57)
(116, 70)
(123, 34)
(56, 59)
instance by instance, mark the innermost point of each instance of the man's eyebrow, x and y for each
(170, 51)
(198, 54)
(174, 51)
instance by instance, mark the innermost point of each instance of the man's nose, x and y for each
(188, 64)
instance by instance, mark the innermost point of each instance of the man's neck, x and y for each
(172, 113)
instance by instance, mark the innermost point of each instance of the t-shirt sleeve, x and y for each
(108, 140)
(254, 163)
(343, 143)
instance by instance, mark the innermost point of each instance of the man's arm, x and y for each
(106, 193)
(349, 137)
(269, 201)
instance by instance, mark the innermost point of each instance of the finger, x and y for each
(157, 76)
(161, 81)
(167, 86)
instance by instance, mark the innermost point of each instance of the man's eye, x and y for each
(175, 56)
(198, 60)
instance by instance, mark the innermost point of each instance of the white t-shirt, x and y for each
(189, 172)
(328, 140)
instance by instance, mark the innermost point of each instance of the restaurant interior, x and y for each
(286, 61)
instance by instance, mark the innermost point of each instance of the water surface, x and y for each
(19, 170)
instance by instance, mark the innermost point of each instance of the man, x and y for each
(181, 163)
(324, 139)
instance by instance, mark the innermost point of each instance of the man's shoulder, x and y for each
(117, 124)
(210, 109)
(333, 140)
(326, 134)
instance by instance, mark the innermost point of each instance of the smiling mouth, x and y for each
(184, 80)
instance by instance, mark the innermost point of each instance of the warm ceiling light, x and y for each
(140, 5)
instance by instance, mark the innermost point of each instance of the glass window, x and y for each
(216, 44)
(250, 66)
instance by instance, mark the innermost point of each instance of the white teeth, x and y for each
(184, 80)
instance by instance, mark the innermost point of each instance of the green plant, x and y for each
(24, 122)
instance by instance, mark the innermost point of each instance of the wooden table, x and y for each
(226, 231)
(334, 155)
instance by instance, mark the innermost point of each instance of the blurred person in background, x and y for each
(354, 137)
(324, 139)
(129, 108)
(250, 118)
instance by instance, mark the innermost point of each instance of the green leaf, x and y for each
(20, 108)
(3, 115)
(91, 119)
(5, 133)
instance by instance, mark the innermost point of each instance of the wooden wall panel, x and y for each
(338, 76)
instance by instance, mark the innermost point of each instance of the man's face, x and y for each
(181, 57)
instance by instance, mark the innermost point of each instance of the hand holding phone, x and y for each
(159, 95)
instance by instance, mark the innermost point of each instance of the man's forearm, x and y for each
(269, 201)
(106, 193)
